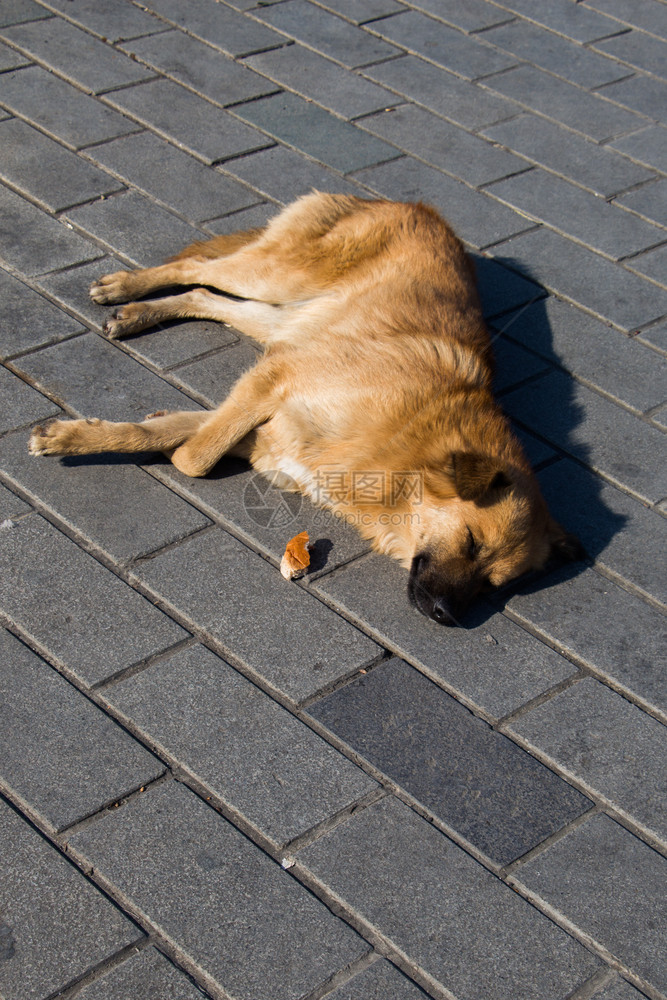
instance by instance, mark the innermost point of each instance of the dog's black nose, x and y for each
(441, 614)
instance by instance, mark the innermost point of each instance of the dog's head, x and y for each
(483, 523)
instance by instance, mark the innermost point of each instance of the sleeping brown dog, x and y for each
(373, 395)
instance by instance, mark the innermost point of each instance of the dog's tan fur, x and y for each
(376, 360)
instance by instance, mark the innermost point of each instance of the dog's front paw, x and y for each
(57, 438)
(110, 288)
(130, 318)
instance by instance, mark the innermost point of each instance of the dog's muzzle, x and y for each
(423, 597)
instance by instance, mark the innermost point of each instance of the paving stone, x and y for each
(113, 21)
(561, 16)
(477, 218)
(144, 976)
(327, 34)
(448, 904)
(474, 15)
(74, 608)
(191, 122)
(589, 349)
(622, 534)
(33, 242)
(9, 58)
(244, 747)
(71, 286)
(491, 665)
(580, 214)
(587, 279)
(60, 753)
(60, 109)
(198, 66)
(11, 506)
(97, 67)
(639, 13)
(319, 79)
(555, 54)
(470, 777)
(513, 365)
(249, 218)
(656, 336)
(443, 145)
(653, 265)
(29, 320)
(564, 102)
(594, 430)
(168, 851)
(382, 981)
(423, 36)
(182, 183)
(637, 49)
(459, 100)
(16, 11)
(314, 131)
(218, 25)
(213, 377)
(49, 174)
(57, 926)
(501, 289)
(603, 742)
(133, 225)
(640, 93)
(21, 403)
(616, 892)
(285, 175)
(106, 499)
(359, 11)
(617, 635)
(649, 200)
(598, 168)
(96, 378)
(619, 990)
(244, 502)
(649, 146)
(284, 634)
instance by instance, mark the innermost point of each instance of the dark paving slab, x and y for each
(652, 264)
(17, 11)
(599, 168)
(616, 634)
(475, 15)
(113, 21)
(187, 120)
(34, 242)
(284, 175)
(59, 753)
(105, 499)
(218, 25)
(56, 925)
(322, 80)
(312, 130)
(244, 747)
(282, 633)
(609, 439)
(327, 34)
(619, 990)
(213, 377)
(492, 665)
(474, 780)
(382, 981)
(607, 745)
(30, 320)
(615, 892)
(121, 389)
(183, 183)
(447, 905)
(11, 59)
(166, 850)
(636, 49)
(578, 23)
(443, 145)
(96, 67)
(647, 145)
(11, 506)
(52, 176)
(199, 67)
(148, 974)
(73, 608)
(640, 93)
(367, 10)
(424, 36)
(22, 403)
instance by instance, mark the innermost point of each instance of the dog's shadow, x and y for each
(560, 458)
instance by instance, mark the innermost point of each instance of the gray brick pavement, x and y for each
(345, 730)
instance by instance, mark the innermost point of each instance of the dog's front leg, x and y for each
(162, 432)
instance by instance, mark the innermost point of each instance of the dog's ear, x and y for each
(478, 477)
(565, 547)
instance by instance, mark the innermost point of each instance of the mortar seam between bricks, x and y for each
(344, 976)
(115, 961)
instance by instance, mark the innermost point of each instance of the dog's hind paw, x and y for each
(110, 288)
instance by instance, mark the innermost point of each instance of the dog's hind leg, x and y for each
(163, 432)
